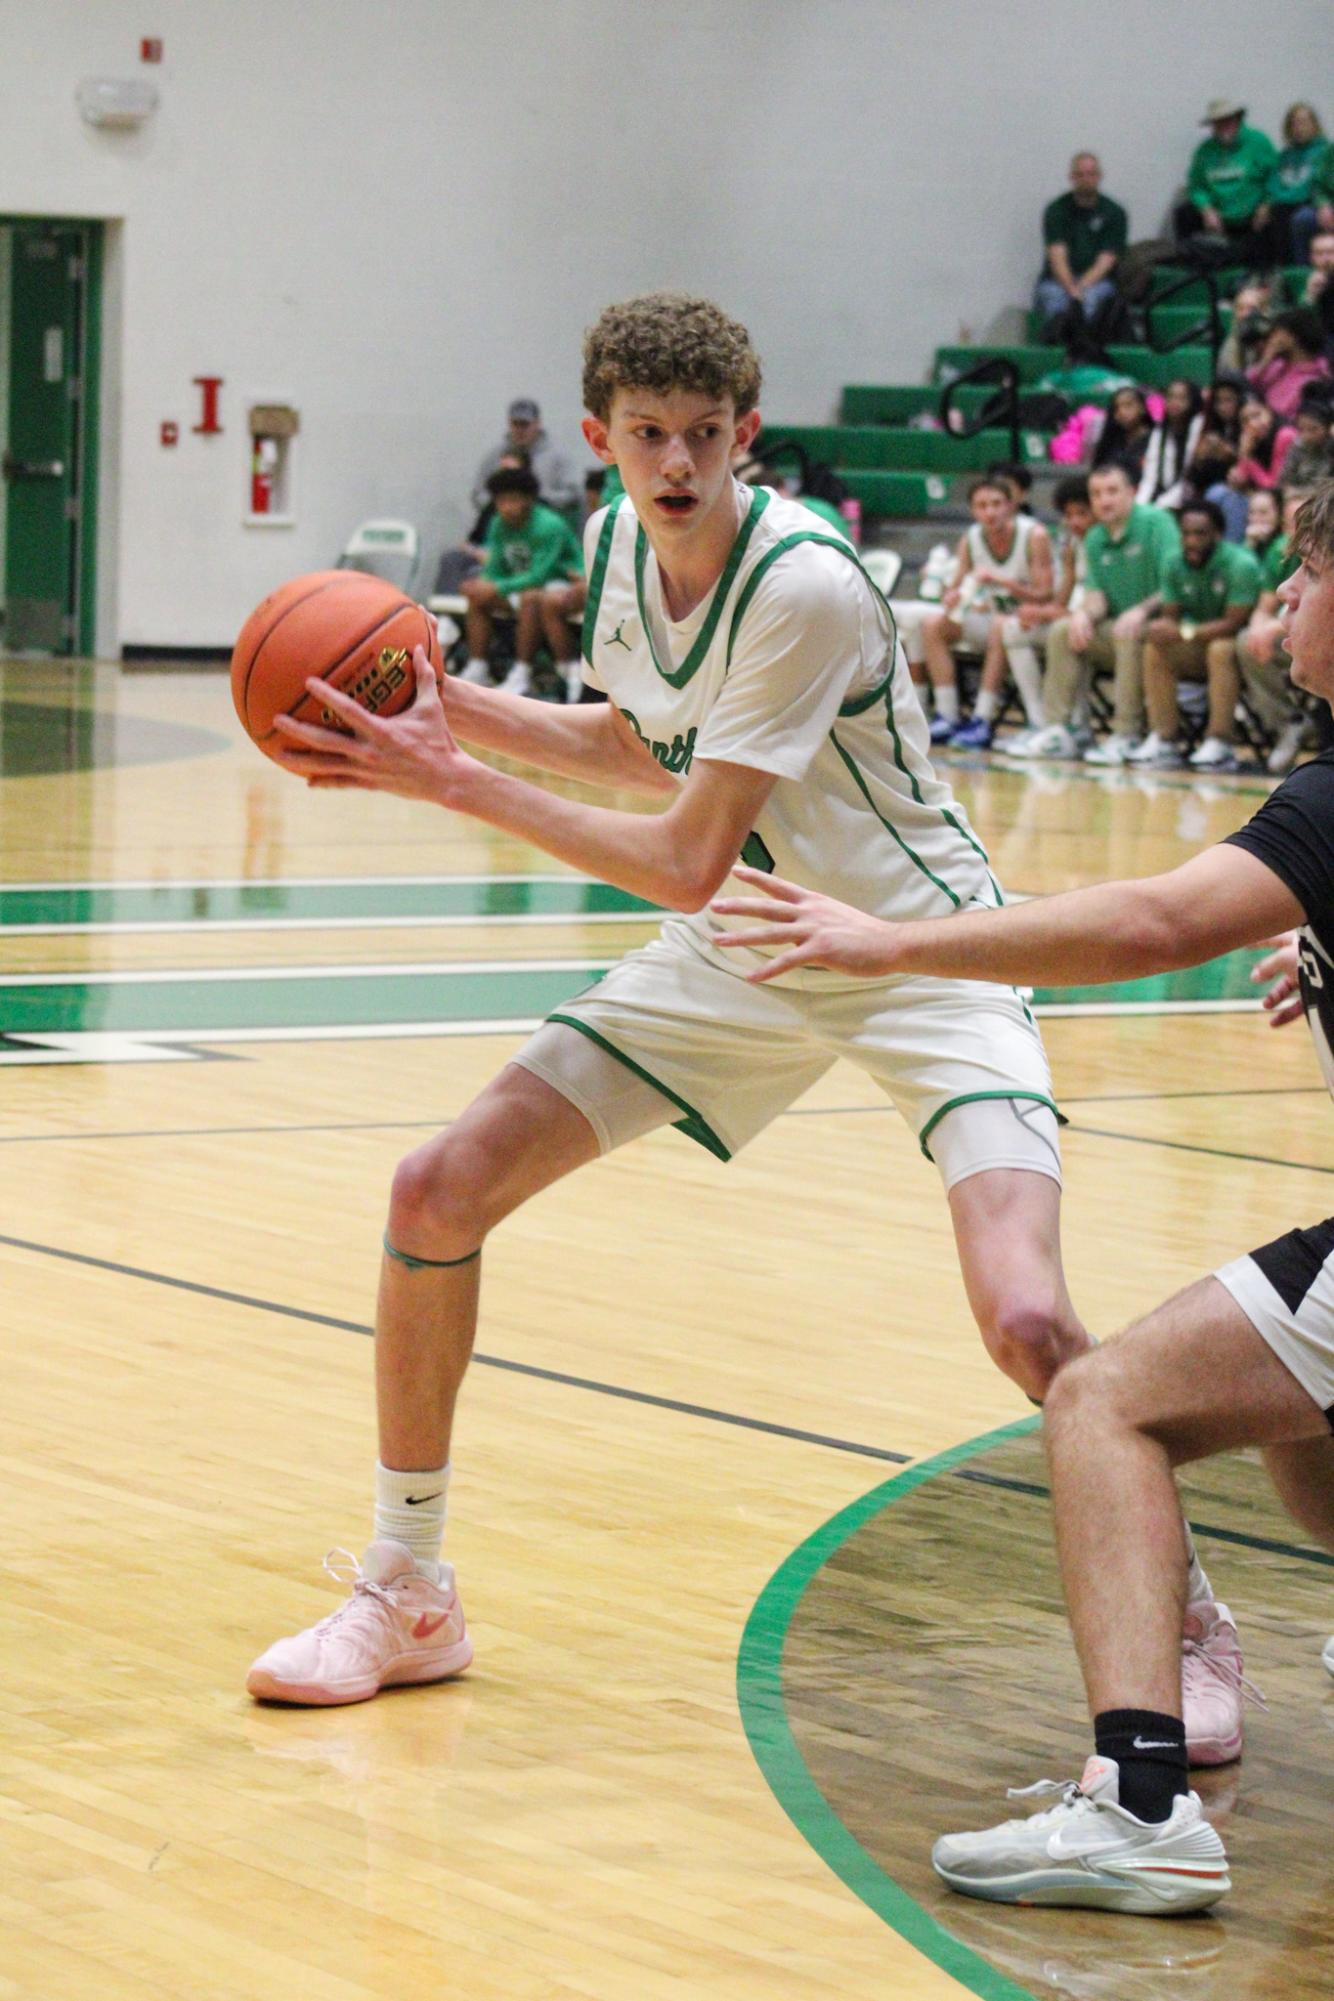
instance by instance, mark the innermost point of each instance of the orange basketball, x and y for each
(354, 631)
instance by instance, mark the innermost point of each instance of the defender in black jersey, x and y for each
(1244, 1357)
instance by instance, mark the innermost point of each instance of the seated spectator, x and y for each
(1209, 591)
(1216, 453)
(1004, 560)
(1085, 371)
(1173, 443)
(1264, 524)
(1228, 183)
(1309, 460)
(557, 613)
(466, 559)
(528, 546)
(1263, 662)
(1290, 361)
(1026, 629)
(1125, 432)
(1252, 322)
(555, 481)
(1262, 447)
(1318, 293)
(1016, 479)
(1125, 551)
(1084, 233)
(1292, 186)
(1322, 191)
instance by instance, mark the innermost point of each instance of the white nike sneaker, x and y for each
(478, 672)
(397, 1626)
(1053, 740)
(1328, 1656)
(519, 680)
(1158, 752)
(1114, 749)
(573, 676)
(1088, 1851)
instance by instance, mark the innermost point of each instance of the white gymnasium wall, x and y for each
(399, 213)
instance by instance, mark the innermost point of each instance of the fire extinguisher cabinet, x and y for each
(272, 430)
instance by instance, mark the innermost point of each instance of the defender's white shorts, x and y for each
(1286, 1291)
(720, 1059)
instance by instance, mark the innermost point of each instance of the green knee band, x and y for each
(428, 1264)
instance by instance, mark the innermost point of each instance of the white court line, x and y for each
(222, 975)
(174, 883)
(207, 926)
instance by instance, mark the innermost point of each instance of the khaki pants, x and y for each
(1268, 688)
(1213, 661)
(1069, 675)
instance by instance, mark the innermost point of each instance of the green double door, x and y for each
(48, 278)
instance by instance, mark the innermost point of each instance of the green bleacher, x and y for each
(896, 467)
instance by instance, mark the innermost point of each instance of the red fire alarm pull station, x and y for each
(150, 49)
(208, 387)
(171, 434)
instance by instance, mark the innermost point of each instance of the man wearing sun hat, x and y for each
(1229, 173)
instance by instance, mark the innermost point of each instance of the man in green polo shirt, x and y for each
(1125, 552)
(1228, 183)
(1083, 235)
(1277, 705)
(1209, 592)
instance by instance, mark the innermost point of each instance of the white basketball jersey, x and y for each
(790, 665)
(1016, 565)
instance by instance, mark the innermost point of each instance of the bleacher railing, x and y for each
(1001, 410)
(1209, 328)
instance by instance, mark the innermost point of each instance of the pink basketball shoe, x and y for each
(1213, 1687)
(396, 1627)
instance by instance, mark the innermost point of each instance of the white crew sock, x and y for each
(410, 1508)
(1027, 671)
(1198, 1587)
(986, 705)
(947, 702)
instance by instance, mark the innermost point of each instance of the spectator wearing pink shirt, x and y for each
(1291, 359)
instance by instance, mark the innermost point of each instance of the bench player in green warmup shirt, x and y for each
(528, 546)
(1209, 592)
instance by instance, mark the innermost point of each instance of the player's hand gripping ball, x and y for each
(355, 632)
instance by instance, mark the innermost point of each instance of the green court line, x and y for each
(338, 997)
(459, 899)
(344, 996)
(764, 1717)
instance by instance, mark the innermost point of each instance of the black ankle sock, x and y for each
(1150, 1751)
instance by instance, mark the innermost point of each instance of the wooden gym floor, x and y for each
(227, 1005)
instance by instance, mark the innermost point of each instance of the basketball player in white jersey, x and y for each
(757, 694)
(1004, 560)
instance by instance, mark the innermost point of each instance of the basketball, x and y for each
(355, 631)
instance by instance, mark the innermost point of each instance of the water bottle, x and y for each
(851, 510)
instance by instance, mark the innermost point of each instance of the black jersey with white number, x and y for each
(1293, 834)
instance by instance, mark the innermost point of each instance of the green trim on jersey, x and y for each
(704, 639)
(693, 1125)
(888, 825)
(972, 1098)
(597, 579)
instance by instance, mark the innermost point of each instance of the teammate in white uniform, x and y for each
(1243, 1358)
(757, 692)
(1004, 560)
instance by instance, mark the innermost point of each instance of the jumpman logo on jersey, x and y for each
(616, 639)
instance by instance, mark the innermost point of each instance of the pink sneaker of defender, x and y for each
(1213, 1686)
(396, 1627)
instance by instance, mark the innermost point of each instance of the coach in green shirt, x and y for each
(1125, 553)
(1083, 235)
(1209, 592)
(1229, 180)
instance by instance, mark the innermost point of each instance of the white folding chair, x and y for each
(388, 549)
